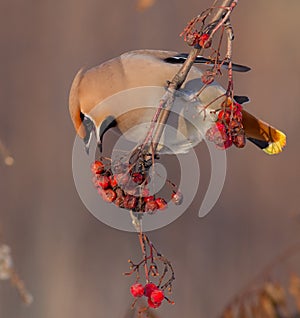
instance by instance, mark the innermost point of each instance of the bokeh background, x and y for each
(71, 262)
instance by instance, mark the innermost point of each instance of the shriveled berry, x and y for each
(119, 202)
(130, 202)
(137, 177)
(239, 140)
(103, 182)
(234, 124)
(149, 288)
(177, 197)
(113, 181)
(151, 206)
(119, 192)
(217, 133)
(157, 296)
(161, 203)
(97, 167)
(151, 304)
(109, 195)
(225, 143)
(137, 290)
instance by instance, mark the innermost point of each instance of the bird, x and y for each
(123, 93)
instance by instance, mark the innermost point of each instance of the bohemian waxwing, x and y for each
(125, 91)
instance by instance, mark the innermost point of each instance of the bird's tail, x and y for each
(74, 105)
(266, 137)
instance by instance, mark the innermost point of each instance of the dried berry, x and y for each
(103, 182)
(113, 181)
(119, 192)
(109, 195)
(119, 202)
(137, 290)
(149, 198)
(151, 206)
(130, 202)
(239, 140)
(161, 203)
(137, 177)
(97, 167)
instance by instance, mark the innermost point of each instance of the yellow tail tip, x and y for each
(277, 145)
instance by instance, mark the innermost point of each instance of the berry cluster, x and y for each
(128, 188)
(228, 128)
(155, 266)
(154, 294)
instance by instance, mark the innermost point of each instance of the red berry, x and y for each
(224, 116)
(149, 288)
(130, 202)
(220, 127)
(109, 195)
(157, 296)
(239, 107)
(137, 177)
(113, 181)
(97, 167)
(161, 203)
(103, 182)
(177, 197)
(137, 290)
(149, 198)
(151, 206)
(238, 115)
(203, 41)
(152, 304)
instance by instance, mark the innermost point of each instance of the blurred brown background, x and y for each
(71, 262)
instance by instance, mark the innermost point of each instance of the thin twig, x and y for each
(163, 111)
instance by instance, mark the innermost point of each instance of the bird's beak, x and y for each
(89, 128)
(87, 141)
(107, 123)
(99, 143)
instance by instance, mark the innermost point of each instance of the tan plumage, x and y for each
(126, 87)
